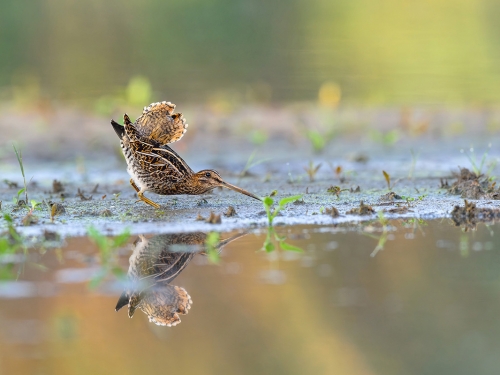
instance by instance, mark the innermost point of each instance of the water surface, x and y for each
(425, 303)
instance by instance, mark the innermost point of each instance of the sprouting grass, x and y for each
(211, 247)
(386, 138)
(311, 170)
(251, 163)
(272, 213)
(106, 247)
(414, 157)
(477, 166)
(319, 140)
(19, 156)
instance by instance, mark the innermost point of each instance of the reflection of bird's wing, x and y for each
(155, 158)
(163, 304)
(158, 122)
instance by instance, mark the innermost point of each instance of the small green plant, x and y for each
(386, 138)
(106, 247)
(319, 140)
(272, 213)
(477, 166)
(19, 156)
(258, 137)
(16, 199)
(336, 190)
(251, 163)
(311, 170)
(211, 247)
(414, 158)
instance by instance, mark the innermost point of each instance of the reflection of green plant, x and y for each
(382, 238)
(211, 247)
(106, 247)
(11, 242)
(272, 237)
(268, 203)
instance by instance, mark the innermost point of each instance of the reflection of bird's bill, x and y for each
(230, 239)
(239, 190)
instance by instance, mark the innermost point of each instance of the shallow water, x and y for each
(425, 302)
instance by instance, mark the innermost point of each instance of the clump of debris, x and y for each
(472, 186)
(363, 209)
(469, 215)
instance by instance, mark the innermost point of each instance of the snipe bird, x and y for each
(154, 264)
(153, 165)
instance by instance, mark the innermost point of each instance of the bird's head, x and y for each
(209, 179)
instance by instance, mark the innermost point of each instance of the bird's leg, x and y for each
(140, 194)
(132, 183)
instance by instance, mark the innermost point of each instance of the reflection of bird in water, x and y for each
(154, 263)
(153, 165)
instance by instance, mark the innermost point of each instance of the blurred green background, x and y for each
(384, 52)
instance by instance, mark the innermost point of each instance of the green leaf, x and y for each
(288, 247)
(20, 192)
(100, 240)
(269, 246)
(7, 218)
(121, 239)
(118, 272)
(268, 201)
(291, 199)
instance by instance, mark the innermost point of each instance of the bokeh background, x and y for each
(97, 55)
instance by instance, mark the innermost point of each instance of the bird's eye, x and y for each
(208, 174)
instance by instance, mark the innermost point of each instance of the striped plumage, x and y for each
(153, 165)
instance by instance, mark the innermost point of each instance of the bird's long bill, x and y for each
(239, 190)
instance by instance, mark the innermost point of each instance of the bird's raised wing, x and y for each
(159, 122)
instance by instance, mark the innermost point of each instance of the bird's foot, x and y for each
(147, 200)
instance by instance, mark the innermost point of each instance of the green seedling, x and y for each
(251, 163)
(16, 199)
(414, 158)
(107, 247)
(386, 138)
(268, 203)
(477, 166)
(258, 137)
(312, 170)
(336, 190)
(211, 247)
(319, 140)
(19, 156)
